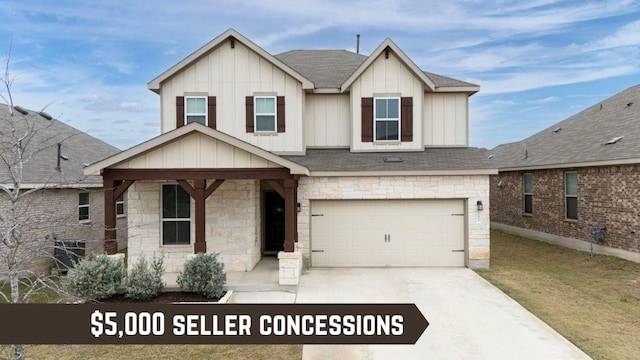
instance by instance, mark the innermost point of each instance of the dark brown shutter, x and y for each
(406, 119)
(280, 110)
(211, 111)
(179, 111)
(249, 114)
(367, 119)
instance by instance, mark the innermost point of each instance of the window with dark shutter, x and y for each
(249, 114)
(179, 111)
(367, 119)
(406, 118)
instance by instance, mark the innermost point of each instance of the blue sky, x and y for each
(537, 61)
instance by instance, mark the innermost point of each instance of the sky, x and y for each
(537, 62)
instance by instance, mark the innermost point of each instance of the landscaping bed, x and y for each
(592, 301)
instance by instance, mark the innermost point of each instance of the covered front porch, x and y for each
(196, 190)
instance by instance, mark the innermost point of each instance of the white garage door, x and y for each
(387, 233)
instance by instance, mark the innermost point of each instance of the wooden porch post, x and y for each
(290, 214)
(110, 243)
(200, 245)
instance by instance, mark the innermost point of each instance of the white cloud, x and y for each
(546, 100)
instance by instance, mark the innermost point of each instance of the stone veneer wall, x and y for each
(607, 196)
(473, 188)
(232, 226)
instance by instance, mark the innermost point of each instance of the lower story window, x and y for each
(176, 215)
(83, 206)
(571, 195)
(120, 205)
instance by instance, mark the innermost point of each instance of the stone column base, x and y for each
(290, 267)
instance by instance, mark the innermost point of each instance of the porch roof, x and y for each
(181, 148)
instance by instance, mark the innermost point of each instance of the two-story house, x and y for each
(324, 157)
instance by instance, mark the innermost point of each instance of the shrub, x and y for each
(144, 281)
(204, 275)
(94, 278)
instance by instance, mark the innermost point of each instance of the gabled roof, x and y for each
(186, 130)
(433, 82)
(431, 161)
(78, 148)
(581, 140)
(154, 84)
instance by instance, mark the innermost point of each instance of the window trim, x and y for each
(120, 201)
(256, 114)
(567, 196)
(376, 119)
(525, 193)
(206, 109)
(162, 218)
(87, 205)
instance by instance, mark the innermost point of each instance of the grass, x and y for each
(158, 352)
(593, 302)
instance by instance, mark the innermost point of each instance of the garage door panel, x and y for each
(387, 233)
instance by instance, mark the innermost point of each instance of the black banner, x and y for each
(211, 324)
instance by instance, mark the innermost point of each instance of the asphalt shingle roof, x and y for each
(329, 69)
(582, 137)
(41, 145)
(431, 159)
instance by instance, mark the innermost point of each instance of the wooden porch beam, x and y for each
(290, 230)
(187, 187)
(200, 245)
(124, 186)
(213, 187)
(277, 187)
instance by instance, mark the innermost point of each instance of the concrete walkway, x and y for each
(469, 318)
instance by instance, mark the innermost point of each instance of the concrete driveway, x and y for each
(469, 318)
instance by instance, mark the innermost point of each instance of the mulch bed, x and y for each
(164, 298)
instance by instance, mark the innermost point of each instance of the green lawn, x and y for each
(593, 302)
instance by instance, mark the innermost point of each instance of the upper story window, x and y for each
(200, 109)
(387, 119)
(195, 109)
(265, 114)
(528, 193)
(84, 207)
(571, 195)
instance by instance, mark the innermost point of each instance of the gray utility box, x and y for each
(67, 253)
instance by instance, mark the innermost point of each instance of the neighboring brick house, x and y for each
(67, 204)
(576, 183)
(323, 157)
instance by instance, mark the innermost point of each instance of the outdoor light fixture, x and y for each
(299, 207)
(480, 206)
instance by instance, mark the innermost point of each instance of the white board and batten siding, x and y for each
(327, 120)
(378, 233)
(231, 74)
(196, 151)
(446, 120)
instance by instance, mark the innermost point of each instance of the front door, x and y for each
(273, 222)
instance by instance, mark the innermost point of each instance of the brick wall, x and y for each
(49, 211)
(607, 196)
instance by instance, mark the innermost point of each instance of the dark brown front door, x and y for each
(273, 222)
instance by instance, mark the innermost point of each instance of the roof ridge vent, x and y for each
(393, 159)
(557, 130)
(614, 140)
(21, 110)
(45, 115)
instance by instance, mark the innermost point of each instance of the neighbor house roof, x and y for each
(431, 161)
(606, 133)
(41, 134)
(333, 70)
